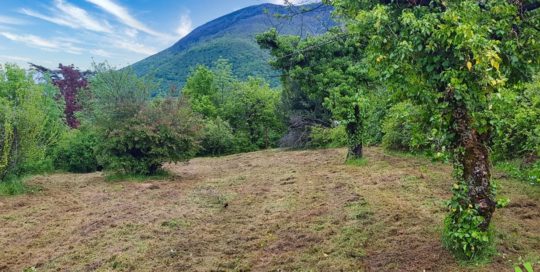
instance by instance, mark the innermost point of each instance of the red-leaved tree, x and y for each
(70, 81)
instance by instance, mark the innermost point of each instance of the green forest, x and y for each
(450, 83)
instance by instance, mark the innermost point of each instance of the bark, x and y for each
(354, 132)
(475, 162)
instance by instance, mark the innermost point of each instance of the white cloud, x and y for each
(14, 58)
(38, 42)
(101, 53)
(135, 47)
(131, 32)
(11, 21)
(122, 14)
(29, 39)
(185, 26)
(71, 16)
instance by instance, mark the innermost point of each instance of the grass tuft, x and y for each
(357, 162)
(13, 187)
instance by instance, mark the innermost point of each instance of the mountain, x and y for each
(233, 37)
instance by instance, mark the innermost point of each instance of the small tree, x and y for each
(327, 69)
(70, 82)
(202, 91)
(251, 110)
(302, 98)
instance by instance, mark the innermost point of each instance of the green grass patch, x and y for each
(357, 162)
(176, 224)
(117, 177)
(514, 169)
(13, 187)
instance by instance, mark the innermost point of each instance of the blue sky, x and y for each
(48, 32)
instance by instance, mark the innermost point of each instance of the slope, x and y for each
(233, 37)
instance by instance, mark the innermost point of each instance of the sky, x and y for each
(121, 32)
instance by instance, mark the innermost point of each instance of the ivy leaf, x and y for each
(495, 63)
(469, 65)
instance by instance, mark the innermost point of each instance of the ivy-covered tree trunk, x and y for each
(354, 134)
(474, 158)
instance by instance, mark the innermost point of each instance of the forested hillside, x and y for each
(232, 37)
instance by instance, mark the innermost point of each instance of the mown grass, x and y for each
(118, 177)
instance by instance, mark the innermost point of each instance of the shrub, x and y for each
(30, 124)
(136, 136)
(218, 138)
(162, 131)
(403, 128)
(515, 122)
(324, 137)
(75, 152)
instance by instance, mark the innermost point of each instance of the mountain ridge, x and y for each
(232, 37)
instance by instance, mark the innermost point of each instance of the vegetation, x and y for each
(453, 56)
(456, 80)
(75, 152)
(137, 135)
(30, 124)
(244, 113)
(233, 37)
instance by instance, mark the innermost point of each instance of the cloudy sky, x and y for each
(48, 32)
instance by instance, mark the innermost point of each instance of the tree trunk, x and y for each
(474, 158)
(354, 133)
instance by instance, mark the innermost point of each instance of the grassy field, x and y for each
(264, 211)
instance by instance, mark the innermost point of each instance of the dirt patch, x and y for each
(263, 211)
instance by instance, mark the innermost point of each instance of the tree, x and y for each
(30, 123)
(248, 107)
(224, 78)
(202, 91)
(162, 131)
(301, 100)
(453, 55)
(252, 109)
(70, 81)
(327, 69)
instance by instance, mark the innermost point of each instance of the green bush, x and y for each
(30, 124)
(163, 131)
(323, 137)
(75, 152)
(137, 136)
(515, 121)
(218, 138)
(403, 129)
